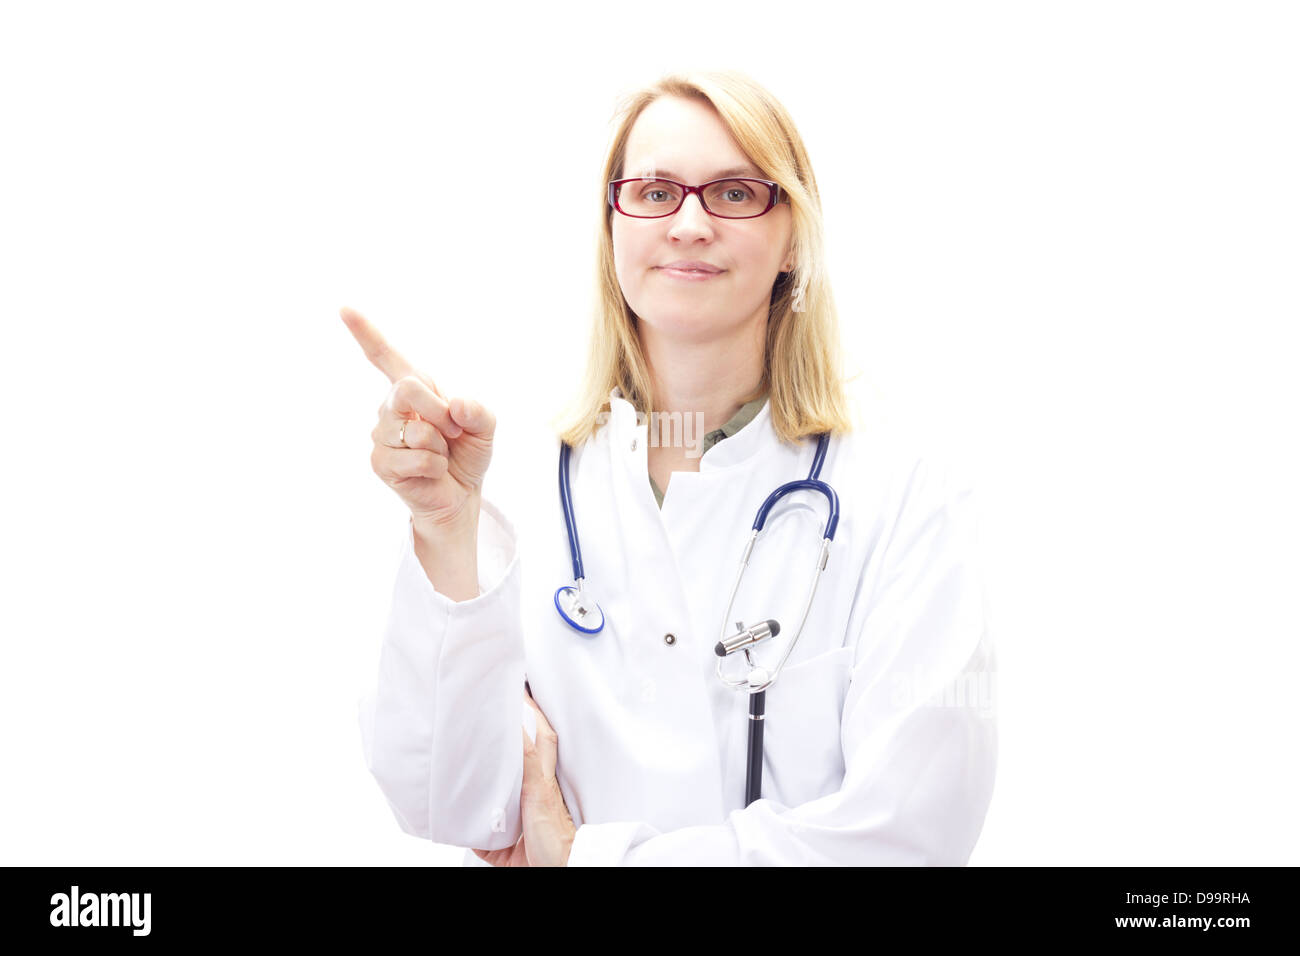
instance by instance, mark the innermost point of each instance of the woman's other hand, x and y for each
(548, 827)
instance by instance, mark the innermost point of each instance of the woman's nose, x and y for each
(691, 219)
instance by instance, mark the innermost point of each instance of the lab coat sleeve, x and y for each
(440, 731)
(917, 729)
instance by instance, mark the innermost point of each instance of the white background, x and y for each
(1063, 239)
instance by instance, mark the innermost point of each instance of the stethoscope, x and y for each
(585, 615)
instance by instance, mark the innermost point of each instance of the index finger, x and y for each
(382, 355)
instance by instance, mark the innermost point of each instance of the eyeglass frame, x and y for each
(774, 195)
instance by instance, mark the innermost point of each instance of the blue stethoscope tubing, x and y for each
(575, 599)
(574, 596)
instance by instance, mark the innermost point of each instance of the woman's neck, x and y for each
(701, 385)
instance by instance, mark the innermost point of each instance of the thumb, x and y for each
(532, 763)
(545, 745)
(472, 417)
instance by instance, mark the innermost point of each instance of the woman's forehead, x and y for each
(681, 171)
(674, 137)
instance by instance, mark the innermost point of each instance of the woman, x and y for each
(715, 311)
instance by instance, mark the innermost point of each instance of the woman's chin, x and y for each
(685, 326)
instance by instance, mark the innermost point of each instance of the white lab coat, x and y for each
(880, 741)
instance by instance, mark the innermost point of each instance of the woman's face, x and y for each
(683, 140)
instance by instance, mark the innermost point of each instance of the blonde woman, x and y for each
(713, 379)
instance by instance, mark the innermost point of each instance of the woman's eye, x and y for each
(655, 192)
(740, 194)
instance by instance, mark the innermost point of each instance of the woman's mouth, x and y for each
(688, 274)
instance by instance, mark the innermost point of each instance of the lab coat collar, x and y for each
(739, 449)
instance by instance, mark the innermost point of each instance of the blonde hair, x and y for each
(802, 357)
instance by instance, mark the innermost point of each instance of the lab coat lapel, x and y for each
(700, 533)
(634, 573)
(707, 516)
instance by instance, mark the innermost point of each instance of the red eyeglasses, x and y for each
(724, 198)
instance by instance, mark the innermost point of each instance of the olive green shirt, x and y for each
(733, 425)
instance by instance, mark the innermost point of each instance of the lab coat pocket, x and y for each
(802, 755)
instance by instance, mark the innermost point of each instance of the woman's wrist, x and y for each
(448, 551)
(451, 528)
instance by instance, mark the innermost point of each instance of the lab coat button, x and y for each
(670, 640)
(634, 444)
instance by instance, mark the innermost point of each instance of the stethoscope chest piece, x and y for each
(579, 610)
